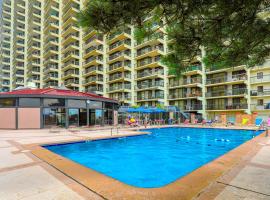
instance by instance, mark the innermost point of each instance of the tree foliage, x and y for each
(232, 32)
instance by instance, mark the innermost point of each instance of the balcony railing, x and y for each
(185, 95)
(264, 92)
(113, 35)
(193, 107)
(235, 106)
(92, 69)
(260, 79)
(149, 73)
(148, 61)
(160, 96)
(118, 76)
(118, 54)
(93, 79)
(150, 85)
(98, 48)
(240, 91)
(71, 81)
(193, 68)
(185, 82)
(117, 44)
(119, 87)
(119, 65)
(149, 49)
(265, 106)
(94, 89)
(223, 79)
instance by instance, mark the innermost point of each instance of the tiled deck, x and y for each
(24, 176)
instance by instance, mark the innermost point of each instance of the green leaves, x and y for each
(232, 32)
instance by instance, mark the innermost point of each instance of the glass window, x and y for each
(260, 102)
(98, 117)
(108, 105)
(54, 117)
(82, 117)
(7, 102)
(260, 75)
(108, 117)
(54, 102)
(95, 104)
(29, 102)
(76, 103)
(73, 117)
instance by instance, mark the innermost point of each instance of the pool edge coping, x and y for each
(185, 187)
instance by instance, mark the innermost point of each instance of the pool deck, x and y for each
(244, 174)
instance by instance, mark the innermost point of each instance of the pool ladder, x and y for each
(264, 127)
(117, 130)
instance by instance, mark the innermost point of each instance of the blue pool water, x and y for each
(156, 159)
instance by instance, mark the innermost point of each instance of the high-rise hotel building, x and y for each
(41, 42)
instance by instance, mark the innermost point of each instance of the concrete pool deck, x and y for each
(24, 176)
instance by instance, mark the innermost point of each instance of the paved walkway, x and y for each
(23, 176)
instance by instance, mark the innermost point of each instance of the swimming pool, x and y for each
(156, 159)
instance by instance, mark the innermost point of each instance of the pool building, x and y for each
(29, 108)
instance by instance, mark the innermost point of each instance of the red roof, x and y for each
(53, 92)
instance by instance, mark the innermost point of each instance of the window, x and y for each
(260, 102)
(7, 102)
(260, 88)
(260, 75)
(29, 102)
(76, 103)
(95, 104)
(54, 102)
(108, 105)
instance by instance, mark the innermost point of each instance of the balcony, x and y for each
(150, 85)
(119, 88)
(93, 71)
(186, 82)
(150, 74)
(122, 99)
(227, 93)
(119, 35)
(93, 60)
(226, 80)
(263, 107)
(150, 51)
(235, 106)
(119, 46)
(119, 66)
(183, 96)
(70, 73)
(94, 89)
(119, 56)
(93, 51)
(260, 79)
(151, 97)
(192, 70)
(93, 79)
(152, 40)
(94, 40)
(71, 82)
(193, 107)
(70, 65)
(119, 77)
(149, 62)
(260, 93)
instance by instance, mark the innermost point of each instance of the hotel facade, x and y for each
(42, 43)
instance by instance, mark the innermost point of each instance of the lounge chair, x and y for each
(244, 121)
(258, 122)
(204, 122)
(186, 122)
(231, 121)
